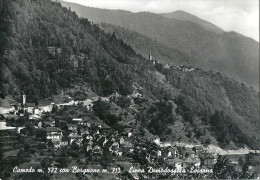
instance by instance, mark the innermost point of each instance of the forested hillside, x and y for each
(46, 48)
(206, 45)
(144, 45)
(184, 16)
(44, 52)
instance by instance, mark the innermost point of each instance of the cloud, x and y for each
(241, 16)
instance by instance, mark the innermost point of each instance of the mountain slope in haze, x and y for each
(144, 45)
(46, 48)
(184, 16)
(229, 53)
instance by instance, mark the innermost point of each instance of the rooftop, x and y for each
(53, 129)
(77, 119)
(30, 105)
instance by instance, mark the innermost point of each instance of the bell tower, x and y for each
(150, 56)
(23, 99)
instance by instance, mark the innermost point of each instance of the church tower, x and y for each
(150, 56)
(23, 99)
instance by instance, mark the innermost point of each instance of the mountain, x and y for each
(47, 50)
(207, 46)
(144, 45)
(184, 16)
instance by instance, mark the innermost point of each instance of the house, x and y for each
(36, 110)
(97, 150)
(34, 116)
(121, 140)
(46, 107)
(88, 124)
(4, 110)
(128, 132)
(51, 50)
(172, 151)
(77, 120)
(74, 62)
(73, 134)
(210, 160)
(159, 153)
(119, 152)
(30, 107)
(39, 125)
(135, 94)
(189, 153)
(181, 151)
(49, 123)
(191, 163)
(86, 121)
(97, 132)
(89, 148)
(197, 149)
(177, 163)
(84, 132)
(127, 147)
(56, 143)
(89, 137)
(64, 141)
(72, 127)
(78, 139)
(178, 166)
(184, 68)
(114, 147)
(156, 140)
(166, 66)
(53, 133)
(90, 143)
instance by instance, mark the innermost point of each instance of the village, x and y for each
(88, 142)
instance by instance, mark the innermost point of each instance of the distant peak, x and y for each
(180, 11)
(185, 16)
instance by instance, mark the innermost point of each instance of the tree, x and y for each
(54, 108)
(36, 100)
(246, 174)
(222, 169)
(45, 162)
(63, 162)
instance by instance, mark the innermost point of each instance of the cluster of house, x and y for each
(150, 57)
(34, 111)
(179, 156)
(96, 138)
(184, 68)
(166, 66)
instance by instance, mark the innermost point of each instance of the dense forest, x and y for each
(206, 45)
(47, 48)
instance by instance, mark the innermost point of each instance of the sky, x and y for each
(241, 16)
